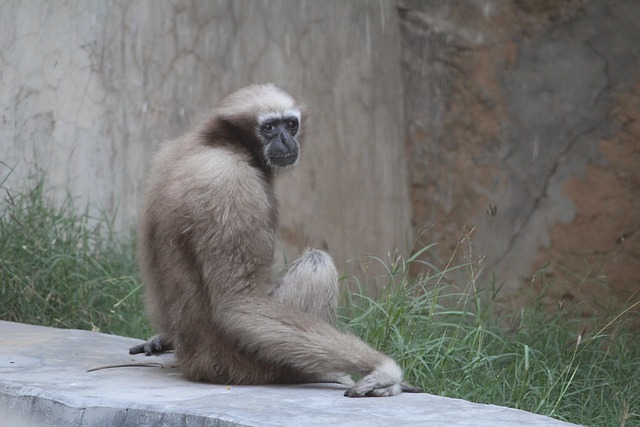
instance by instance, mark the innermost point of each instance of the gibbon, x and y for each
(206, 243)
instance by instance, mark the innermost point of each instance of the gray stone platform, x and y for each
(44, 381)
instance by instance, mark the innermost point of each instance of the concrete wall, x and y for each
(88, 90)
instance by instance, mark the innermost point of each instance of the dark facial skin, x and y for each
(280, 144)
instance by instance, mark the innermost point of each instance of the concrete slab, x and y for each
(45, 381)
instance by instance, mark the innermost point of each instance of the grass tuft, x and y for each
(468, 345)
(61, 267)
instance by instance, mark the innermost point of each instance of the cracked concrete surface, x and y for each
(45, 381)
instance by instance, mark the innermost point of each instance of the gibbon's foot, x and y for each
(374, 391)
(385, 380)
(155, 345)
(383, 391)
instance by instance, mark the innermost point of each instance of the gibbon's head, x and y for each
(264, 120)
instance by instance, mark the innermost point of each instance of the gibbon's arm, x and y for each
(283, 336)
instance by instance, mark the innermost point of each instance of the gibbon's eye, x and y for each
(292, 125)
(268, 127)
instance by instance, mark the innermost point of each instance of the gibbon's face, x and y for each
(277, 132)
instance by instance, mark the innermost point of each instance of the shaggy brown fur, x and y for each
(207, 232)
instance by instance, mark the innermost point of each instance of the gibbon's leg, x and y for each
(156, 345)
(310, 285)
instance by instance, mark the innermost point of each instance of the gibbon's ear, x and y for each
(304, 121)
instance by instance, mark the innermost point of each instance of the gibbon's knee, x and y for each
(311, 285)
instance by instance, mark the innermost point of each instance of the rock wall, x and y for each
(522, 125)
(516, 120)
(88, 90)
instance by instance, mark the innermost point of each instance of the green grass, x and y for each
(61, 267)
(468, 345)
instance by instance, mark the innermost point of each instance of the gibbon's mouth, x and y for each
(286, 160)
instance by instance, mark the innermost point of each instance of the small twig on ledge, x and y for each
(129, 365)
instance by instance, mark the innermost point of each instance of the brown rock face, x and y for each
(602, 243)
(528, 111)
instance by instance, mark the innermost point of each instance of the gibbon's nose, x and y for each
(287, 141)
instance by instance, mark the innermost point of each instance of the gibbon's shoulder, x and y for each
(187, 162)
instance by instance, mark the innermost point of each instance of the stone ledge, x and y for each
(44, 382)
